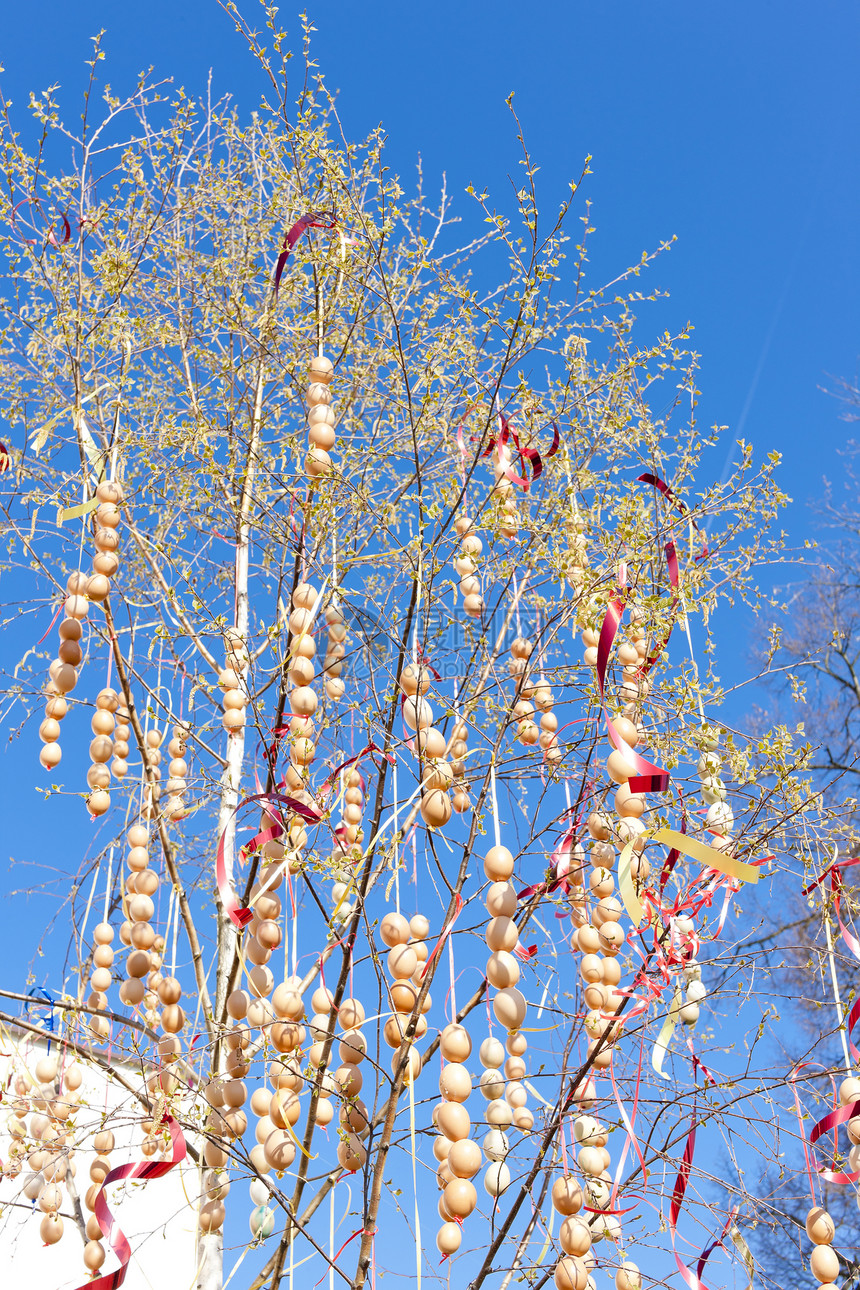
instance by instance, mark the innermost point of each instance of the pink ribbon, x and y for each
(660, 484)
(311, 219)
(647, 778)
(144, 1170)
(239, 914)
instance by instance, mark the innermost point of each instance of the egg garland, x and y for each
(231, 679)
(121, 736)
(346, 1080)
(347, 850)
(106, 521)
(573, 1268)
(405, 967)
(81, 590)
(503, 973)
(177, 770)
(431, 746)
(100, 1166)
(466, 566)
(523, 709)
(321, 419)
(335, 652)
(509, 515)
(303, 698)
(457, 750)
(541, 695)
(499, 1117)
(137, 932)
(103, 724)
(459, 1159)
(101, 976)
(62, 673)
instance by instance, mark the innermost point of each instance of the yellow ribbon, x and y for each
(744, 1251)
(76, 512)
(664, 1038)
(708, 856)
(279, 1098)
(705, 855)
(632, 903)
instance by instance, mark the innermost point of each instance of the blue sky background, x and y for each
(730, 125)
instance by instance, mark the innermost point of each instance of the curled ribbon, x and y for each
(143, 1171)
(458, 905)
(647, 778)
(368, 751)
(239, 914)
(51, 238)
(311, 219)
(660, 484)
(834, 872)
(506, 432)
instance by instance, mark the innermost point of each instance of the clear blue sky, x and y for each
(730, 125)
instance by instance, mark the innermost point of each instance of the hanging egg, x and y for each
(497, 1178)
(455, 1045)
(98, 589)
(50, 756)
(820, 1227)
(321, 369)
(435, 808)
(448, 1238)
(498, 864)
(452, 1119)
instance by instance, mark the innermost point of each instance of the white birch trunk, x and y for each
(210, 1245)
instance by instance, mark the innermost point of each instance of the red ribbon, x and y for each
(835, 871)
(507, 431)
(240, 915)
(311, 219)
(5, 459)
(350, 761)
(841, 1115)
(647, 778)
(144, 1170)
(706, 1254)
(51, 239)
(458, 905)
(678, 1192)
(660, 484)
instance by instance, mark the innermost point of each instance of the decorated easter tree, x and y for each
(380, 555)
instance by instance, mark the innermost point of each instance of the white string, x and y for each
(294, 942)
(517, 604)
(331, 1241)
(495, 803)
(170, 916)
(107, 888)
(453, 977)
(87, 913)
(175, 934)
(396, 846)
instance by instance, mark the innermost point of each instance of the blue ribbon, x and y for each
(48, 998)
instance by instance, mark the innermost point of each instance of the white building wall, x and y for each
(159, 1217)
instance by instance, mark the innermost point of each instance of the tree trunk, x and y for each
(210, 1251)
